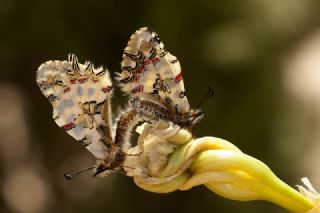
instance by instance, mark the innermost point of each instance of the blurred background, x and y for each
(261, 57)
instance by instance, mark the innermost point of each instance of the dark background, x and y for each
(261, 57)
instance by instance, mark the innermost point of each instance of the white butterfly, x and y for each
(80, 95)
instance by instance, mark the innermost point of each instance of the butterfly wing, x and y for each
(147, 69)
(80, 95)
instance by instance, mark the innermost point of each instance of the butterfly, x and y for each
(80, 95)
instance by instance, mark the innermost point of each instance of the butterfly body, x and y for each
(80, 95)
(152, 111)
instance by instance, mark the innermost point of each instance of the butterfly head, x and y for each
(103, 167)
(102, 170)
(192, 117)
(113, 162)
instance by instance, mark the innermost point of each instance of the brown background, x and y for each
(261, 57)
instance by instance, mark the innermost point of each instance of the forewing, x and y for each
(147, 69)
(80, 95)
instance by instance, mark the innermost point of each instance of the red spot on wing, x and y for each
(178, 78)
(155, 60)
(73, 81)
(146, 61)
(106, 89)
(69, 126)
(82, 80)
(66, 90)
(138, 88)
(141, 69)
(136, 78)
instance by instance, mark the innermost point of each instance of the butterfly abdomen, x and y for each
(153, 111)
(125, 123)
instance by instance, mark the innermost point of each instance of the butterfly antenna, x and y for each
(72, 175)
(206, 96)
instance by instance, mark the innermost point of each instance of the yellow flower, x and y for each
(311, 194)
(170, 159)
